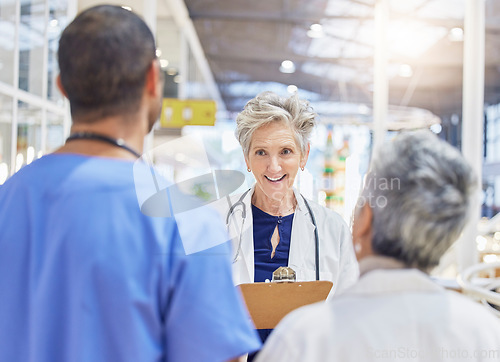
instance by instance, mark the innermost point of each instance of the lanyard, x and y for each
(100, 137)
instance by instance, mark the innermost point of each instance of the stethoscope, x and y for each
(232, 210)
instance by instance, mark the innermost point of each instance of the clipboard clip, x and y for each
(284, 274)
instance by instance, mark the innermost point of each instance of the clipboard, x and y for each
(268, 303)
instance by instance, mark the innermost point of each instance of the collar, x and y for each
(298, 197)
(383, 275)
(373, 262)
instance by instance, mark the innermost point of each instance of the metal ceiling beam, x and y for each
(278, 58)
(185, 25)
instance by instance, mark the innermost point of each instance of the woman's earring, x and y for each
(302, 168)
(248, 169)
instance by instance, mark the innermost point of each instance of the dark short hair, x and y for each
(104, 55)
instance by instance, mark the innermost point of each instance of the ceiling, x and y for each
(245, 43)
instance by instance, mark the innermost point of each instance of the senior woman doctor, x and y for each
(271, 224)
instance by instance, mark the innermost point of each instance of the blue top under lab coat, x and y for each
(263, 229)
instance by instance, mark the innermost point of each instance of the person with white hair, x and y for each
(414, 205)
(272, 224)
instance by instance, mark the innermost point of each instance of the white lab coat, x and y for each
(389, 315)
(337, 259)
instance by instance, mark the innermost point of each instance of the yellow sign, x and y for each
(176, 113)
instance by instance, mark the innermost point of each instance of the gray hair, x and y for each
(268, 107)
(419, 189)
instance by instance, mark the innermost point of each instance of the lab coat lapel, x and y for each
(247, 249)
(302, 238)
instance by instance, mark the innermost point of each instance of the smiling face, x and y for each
(274, 158)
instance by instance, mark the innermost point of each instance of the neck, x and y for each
(276, 207)
(373, 262)
(112, 127)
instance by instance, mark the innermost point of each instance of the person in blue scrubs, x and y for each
(84, 275)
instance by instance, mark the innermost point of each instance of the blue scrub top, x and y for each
(85, 276)
(263, 229)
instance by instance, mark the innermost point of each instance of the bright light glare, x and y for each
(30, 155)
(19, 161)
(126, 8)
(456, 34)
(405, 71)
(4, 172)
(490, 258)
(316, 27)
(412, 39)
(53, 23)
(436, 128)
(481, 242)
(287, 66)
(158, 52)
(292, 88)
(163, 63)
(316, 31)
(40, 154)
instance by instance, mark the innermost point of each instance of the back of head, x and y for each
(269, 107)
(104, 55)
(419, 189)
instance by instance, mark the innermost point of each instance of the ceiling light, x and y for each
(177, 79)
(316, 31)
(53, 23)
(316, 27)
(163, 63)
(287, 66)
(158, 52)
(456, 34)
(171, 71)
(436, 128)
(292, 88)
(126, 7)
(405, 71)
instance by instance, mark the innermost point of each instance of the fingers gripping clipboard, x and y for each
(268, 303)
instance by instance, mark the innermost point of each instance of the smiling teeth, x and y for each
(275, 179)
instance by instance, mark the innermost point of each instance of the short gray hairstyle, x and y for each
(419, 189)
(268, 107)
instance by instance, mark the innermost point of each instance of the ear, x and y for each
(247, 162)
(60, 86)
(303, 159)
(154, 83)
(364, 220)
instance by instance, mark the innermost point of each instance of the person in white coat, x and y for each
(272, 225)
(274, 134)
(414, 205)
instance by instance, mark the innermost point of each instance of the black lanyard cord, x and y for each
(100, 137)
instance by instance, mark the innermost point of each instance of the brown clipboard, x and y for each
(268, 303)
